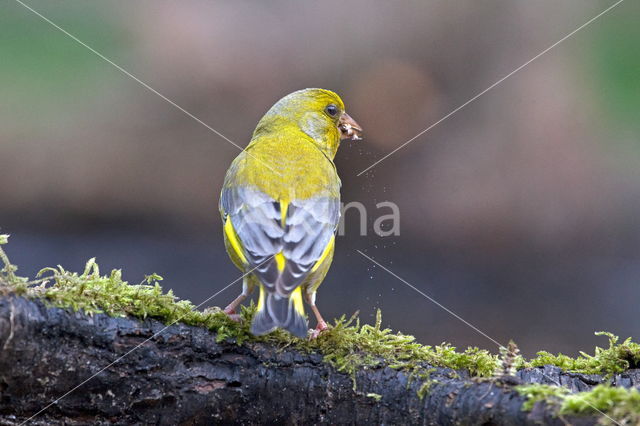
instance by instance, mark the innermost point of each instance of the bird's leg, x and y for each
(322, 325)
(230, 310)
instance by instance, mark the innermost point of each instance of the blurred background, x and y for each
(520, 213)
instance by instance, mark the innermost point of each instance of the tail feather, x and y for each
(275, 311)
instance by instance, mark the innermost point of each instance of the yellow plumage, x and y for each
(280, 205)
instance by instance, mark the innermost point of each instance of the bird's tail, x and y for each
(276, 311)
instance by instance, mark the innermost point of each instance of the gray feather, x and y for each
(257, 220)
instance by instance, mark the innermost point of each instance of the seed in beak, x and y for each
(349, 128)
(349, 132)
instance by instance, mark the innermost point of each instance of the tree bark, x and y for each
(183, 376)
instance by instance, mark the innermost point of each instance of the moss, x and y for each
(375, 396)
(510, 360)
(621, 405)
(353, 347)
(9, 281)
(537, 393)
(92, 292)
(425, 388)
(423, 375)
(615, 405)
(349, 346)
(617, 358)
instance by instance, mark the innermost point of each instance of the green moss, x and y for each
(93, 293)
(621, 405)
(9, 281)
(375, 396)
(537, 393)
(617, 358)
(422, 375)
(353, 347)
(425, 388)
(614, 405)
(349, 346)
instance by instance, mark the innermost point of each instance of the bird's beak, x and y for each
(349, 129)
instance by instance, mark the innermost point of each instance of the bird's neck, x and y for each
(307, 130)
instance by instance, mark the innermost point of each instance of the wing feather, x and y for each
(302, 237)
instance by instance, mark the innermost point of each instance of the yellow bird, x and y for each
(280, 207)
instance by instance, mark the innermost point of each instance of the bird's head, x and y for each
(318, 113)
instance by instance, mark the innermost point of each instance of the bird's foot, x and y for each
(322, 326)
(231, 313)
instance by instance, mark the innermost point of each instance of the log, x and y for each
(183, 376)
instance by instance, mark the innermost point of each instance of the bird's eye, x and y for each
(332, 110)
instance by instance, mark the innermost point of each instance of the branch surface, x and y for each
(183, 376)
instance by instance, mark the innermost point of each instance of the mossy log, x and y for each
(183, 376)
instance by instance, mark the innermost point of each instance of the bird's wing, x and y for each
(309, 236)
(282, 240)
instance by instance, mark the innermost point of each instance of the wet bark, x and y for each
(183, 376)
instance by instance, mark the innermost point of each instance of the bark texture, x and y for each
(182, 376)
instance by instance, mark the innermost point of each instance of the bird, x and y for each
(280, 208)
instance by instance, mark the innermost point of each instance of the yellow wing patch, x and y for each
(280, 261)
(284, 206)
(325, 253)
(261, 298)
(296, 299)
(233, 240)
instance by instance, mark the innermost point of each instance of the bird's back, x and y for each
(286, 166)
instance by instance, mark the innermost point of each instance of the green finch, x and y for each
(280, 206)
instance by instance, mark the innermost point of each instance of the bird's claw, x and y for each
(231, 313)
(318, 330)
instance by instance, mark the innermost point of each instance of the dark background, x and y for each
(519, 213)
